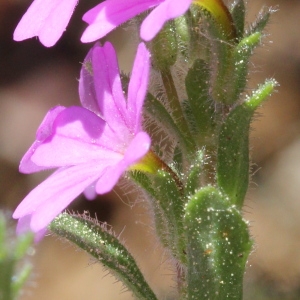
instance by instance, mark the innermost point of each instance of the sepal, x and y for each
(221, 15)
(240, 60)
(238, 16)
(164, 47)
(262, 20)
(167, 201)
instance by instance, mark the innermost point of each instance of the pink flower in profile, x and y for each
(46, 19)
(91, 145)
(109, 14)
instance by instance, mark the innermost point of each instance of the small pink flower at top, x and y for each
(109, 14)
(90, 145)
(48, 19)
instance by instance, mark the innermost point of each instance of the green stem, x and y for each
(156, 110)
(209, 167)
(175, 107)
(177, 180)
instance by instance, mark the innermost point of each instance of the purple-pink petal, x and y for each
(87, 89)
(54, 194)
(101, 91)
(46, 19)
(23, 226)
(138, 147)
(164, 12)
(109, 92)
(107, 15)
(138, 87)
(90, 192)
(43, 132)
(78, 136)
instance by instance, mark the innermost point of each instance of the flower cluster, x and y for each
(91, 146)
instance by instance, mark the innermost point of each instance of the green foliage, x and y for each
(241, 56)
(233, 148)
(238, 11)
(195, 172)
(261, 21)
(171, 201)
(102, 244)
(201, 116)
(163, 118)
(164, 48)
(167, 202)
(218, 245)
(14, 269)
(161, 225)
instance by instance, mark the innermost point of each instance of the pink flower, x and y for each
(89, 145)
(46, 19)
(109, 14)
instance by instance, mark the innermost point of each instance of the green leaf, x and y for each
(201, 105)
(102, 244)
(261, 21)
(167, 201)
(233, 149)
(241, 55)
(238, 17)
(233, 155)
(171, 201)
(221, 64)
(233, 71)
(218, 244)
(161, 224)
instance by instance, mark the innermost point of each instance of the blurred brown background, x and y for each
(34, 78)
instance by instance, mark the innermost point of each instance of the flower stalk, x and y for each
(175, 107)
